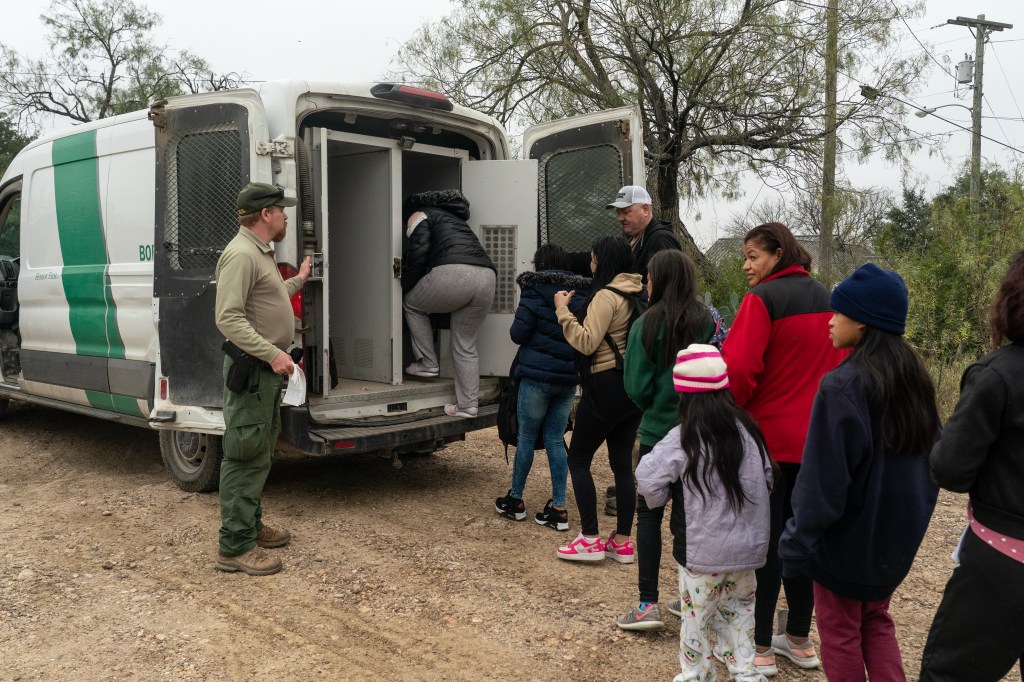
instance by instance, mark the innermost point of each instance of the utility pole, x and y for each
(828, 180)
(981, 30)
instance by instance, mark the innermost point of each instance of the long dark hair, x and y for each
(901, 396)
(1007, 317)
(771, 237)
(549, 257)
(710, 436)
(673, 302)
(613, 258)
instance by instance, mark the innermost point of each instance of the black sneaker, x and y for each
(510, 507)
(610, 506)
(553, 518)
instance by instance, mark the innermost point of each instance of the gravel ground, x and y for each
(106, 572)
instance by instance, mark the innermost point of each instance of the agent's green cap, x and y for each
(257, 196)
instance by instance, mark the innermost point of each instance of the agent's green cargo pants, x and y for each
(252, 421)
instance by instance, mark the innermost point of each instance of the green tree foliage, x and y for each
(953, 262)
(11, 141)
(103, 60)
(906, 227)
(724, 86)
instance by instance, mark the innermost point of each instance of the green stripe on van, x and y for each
(85, 277)
(115, 403)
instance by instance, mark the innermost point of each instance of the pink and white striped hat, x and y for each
(699, 369)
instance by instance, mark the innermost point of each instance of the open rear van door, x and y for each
(584, 161)
(207, 148)
(503, 214)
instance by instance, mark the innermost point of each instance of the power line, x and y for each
(998, 121)
(1007, 80)
(900, 15)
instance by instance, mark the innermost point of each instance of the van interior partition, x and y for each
(363, 182)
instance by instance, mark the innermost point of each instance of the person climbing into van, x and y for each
(446, 270)
(254, 312)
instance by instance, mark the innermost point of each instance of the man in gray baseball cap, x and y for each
(647, 235)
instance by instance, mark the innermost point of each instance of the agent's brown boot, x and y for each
(254, 562)
(269, 537)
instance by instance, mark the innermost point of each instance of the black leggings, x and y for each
(605, 414)
(977, 633)
(648, 543)
(799, 590)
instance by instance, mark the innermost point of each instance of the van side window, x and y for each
(575, 187)
(203, 178)
(10, 228)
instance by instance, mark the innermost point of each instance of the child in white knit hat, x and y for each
(716, 468)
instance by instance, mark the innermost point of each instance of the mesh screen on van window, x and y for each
(499, 242)
(203, 178)
(575, 187)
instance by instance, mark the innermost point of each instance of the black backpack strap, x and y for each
(619, 362)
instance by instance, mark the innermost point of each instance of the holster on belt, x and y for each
(242, 367)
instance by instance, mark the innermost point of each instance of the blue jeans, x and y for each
(542, 405)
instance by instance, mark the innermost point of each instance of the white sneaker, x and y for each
(803, 655)
(417, 371)
(456, 411)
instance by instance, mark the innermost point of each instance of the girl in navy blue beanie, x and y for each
(863, 497)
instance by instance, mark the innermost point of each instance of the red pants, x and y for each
(857, 635)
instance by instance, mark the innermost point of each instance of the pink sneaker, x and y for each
(581, 550)
(624, 553)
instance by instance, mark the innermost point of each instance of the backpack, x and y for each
(721, 329)
(508, 413)
(639, 307)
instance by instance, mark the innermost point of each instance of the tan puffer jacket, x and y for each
(607, 313)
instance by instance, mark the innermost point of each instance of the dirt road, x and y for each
(106, 572)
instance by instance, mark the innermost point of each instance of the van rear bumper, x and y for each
(301, 436)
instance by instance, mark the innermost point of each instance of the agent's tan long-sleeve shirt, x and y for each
(253, 310)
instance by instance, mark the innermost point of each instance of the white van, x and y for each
(110, 233)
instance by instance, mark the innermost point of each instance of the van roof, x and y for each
(284, 99)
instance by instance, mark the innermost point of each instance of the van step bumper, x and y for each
(300, 436)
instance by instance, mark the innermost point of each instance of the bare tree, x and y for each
(860, 213)
(102, 61)
(724, 86)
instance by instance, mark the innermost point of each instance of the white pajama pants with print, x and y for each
(723, 602)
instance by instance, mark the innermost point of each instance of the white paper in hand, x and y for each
(295, 394)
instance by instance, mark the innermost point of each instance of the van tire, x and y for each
(193, 459)
(4, 403)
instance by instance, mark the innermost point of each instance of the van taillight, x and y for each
(163, 388)
(415, 96)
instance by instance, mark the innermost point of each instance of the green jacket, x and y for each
(649, 384)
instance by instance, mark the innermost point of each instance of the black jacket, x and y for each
(444, 238)
(657, 237)
(859, 512)
(982, 448)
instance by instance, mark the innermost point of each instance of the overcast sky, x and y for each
(350, 41)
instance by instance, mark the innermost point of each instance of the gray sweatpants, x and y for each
(465, 291)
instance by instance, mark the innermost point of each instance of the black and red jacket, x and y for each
(777, 351)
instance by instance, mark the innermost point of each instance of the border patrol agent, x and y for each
(254, 313)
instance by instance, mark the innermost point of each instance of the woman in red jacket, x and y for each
(777, 352)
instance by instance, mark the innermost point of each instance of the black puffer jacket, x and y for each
(544, 354)
(444, 238)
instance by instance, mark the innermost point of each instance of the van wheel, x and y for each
(4, 402)
(193, 459)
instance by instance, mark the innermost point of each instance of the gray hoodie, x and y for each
(709, 537)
